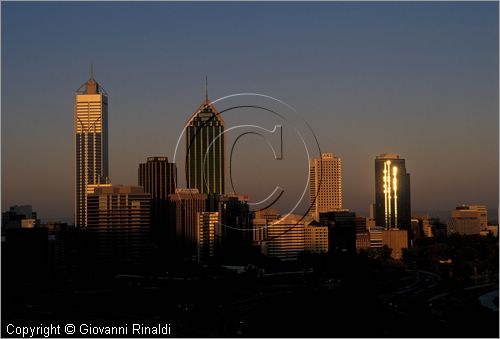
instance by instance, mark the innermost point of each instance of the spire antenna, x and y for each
(91, 71)
(206, 88)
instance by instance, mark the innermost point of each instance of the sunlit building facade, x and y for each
(325, 184)
(362, 241)
(396, 240)
(208, 236)
(376, 237)
(91, 143)
(261, 220)
(285, 238)
(392, 192)
(205, 150)
(315, 238)
(158, 177)
(483, 213)
(468, 220)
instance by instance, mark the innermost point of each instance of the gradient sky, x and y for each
(418, 79)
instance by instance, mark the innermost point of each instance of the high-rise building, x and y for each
(186, 204)
(315, 237)
(205, 149)
(91, 143)
(235, 226)
(158, 177)
(325, 184)
(208, 235)
(119, 217)
(392, 192)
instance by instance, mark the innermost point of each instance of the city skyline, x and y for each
(441, 127)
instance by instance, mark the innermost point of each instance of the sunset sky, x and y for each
(418, 79)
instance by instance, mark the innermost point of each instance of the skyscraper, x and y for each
(325, 184)
(158, 177)
(235, 227)
(91, 143)
(208, 235)
(392, 192)
(185, 204)
(205, 149)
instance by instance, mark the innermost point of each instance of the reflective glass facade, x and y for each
(205, 150)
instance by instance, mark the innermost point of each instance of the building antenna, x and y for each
(206, 89)
(91, 71)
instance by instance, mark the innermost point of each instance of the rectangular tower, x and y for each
(185, 204)
(158, 177)
(325, 184)
(91, 143)
(392, 192)
(118, 217)
(208, 235)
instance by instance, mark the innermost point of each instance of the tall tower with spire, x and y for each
(91, 142)
(205, 149)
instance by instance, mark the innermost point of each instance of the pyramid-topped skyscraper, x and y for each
(91, 143)
(205, 149)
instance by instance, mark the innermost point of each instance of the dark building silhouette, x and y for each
(158, 177)
(341, 230)
(24, 259)
(205, 150)
(235, 227)
(19, 217)
(118, 219)
(185, 206)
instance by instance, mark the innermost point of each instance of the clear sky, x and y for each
(418, 79)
